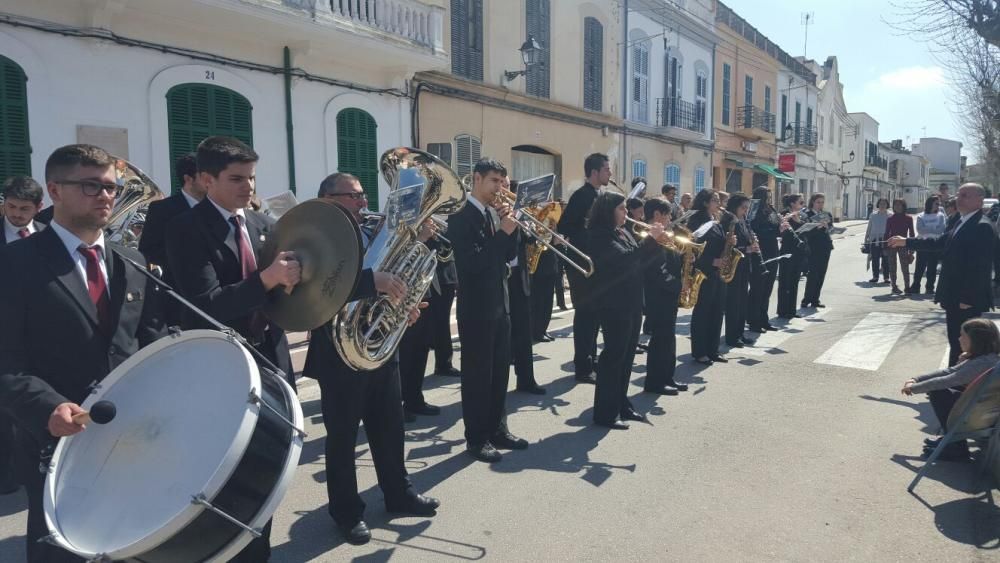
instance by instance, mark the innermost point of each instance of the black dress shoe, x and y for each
(705, 361)
(747, 341)
(720, 359)
(630, 414)
(415, 504)
(424, 409)
(356, 534)
(485, 453)
(614, 424)
(819, 305)
(450, 370)
(547, 338)
(508, 441)
(804, 305)
(677, 386)
(873, 280)
(771, 327)
(534, 389)
(736, 344)
(757, 329)
(932, 442)
(662, 391)
(589, 379)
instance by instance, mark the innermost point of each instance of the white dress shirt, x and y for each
(191, 200)
(10, 231)
(231, 237)
(73, 244)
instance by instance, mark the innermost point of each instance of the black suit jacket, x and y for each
(522, 262)
(617, 281)
(208, 273)
(3, 232)
(322, 359)
(45, 216)
(50, 347)
(153, 242)
(481, 261)
(661, 272)
(966, 263)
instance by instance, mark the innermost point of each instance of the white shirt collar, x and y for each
(190, 199)
(72, 242)
(11, 231)
(478, 204)
(967, 215)
(226, 214)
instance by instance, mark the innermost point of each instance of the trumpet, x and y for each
(674, 241)
(538, 230)
(445, 252)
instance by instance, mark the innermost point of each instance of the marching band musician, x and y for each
(706, 319)
(348, 397)
(73, 290)
(519, 284)
(661, 290)
(820, 247)
(484, 241)
(669, 192)
(616, 290)
(213, 251)
(766, 225)
(738, 289)
(543, 293)
(572, 226)
(790, 269)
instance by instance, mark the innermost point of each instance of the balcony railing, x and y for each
(752, 117)
(675, 112)
(876, 161)
(802, 135)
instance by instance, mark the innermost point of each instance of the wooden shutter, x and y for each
(197, 111)
(537, 17)
(593, 64)
(640, 82)
(357, 150)
(15, 148)
(468, 152)
(467, 38)
(726, 92)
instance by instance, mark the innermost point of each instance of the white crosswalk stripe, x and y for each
(770, 342)
(868, 344)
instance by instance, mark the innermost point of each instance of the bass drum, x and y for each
(200, 453)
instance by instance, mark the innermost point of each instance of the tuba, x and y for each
(731, 255)
(367, 332)
(135, 191)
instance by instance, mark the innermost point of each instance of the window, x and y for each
(15, 148)
(640, 82)
(638, 168)
(197, 111)
(820, 127)
(699, 179)
(537, 18)
(467, 38)
(798, 117)
(810, 133)
(726, 85)
(467, 149)
(700, 104)
(831, 129)
(701, 85)
(784, 113)
(748, 101)
(840, 136)
(357, 150)
(672, 175)
(441, 150)
(593, 64)
(767, 99)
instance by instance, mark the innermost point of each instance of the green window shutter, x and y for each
(197, 111)
(357, 150)
(15, 146)
(593, 64)
(537, 17)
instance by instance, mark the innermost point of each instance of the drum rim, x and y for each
(219, 478)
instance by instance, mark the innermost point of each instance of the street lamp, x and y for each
(844, 179)
(531, 55)
(786, 133)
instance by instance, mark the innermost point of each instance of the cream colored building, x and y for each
(548, 120)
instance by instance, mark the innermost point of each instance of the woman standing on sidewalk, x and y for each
(930, 223)
(875, 238)
(901, 225)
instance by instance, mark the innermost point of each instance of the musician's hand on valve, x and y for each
(427, 231)
(656, 231)
(61, 420)
(731, 239)
(285, 270)
(391, 285)
(897, 242)
(507, 224)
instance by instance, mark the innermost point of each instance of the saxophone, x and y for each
(691, 277)
(731, 255)
(367, 332)
(548, 214)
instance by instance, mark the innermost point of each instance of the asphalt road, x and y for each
(800, 449)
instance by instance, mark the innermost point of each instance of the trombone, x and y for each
(544, 235)
(675, 242)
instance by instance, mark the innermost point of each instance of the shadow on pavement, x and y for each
(924, 413)
(12, 549)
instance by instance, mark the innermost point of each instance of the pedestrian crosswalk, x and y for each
(868, 344)
(771, 342)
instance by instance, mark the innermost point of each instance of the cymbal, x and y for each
(327, 242)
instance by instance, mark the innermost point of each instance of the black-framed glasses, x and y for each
(92, 187)
(351, 195)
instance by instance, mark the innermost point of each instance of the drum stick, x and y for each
(102, 412)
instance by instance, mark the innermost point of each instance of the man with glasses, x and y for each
(348, 397)
(73, 313)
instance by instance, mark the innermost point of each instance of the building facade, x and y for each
(945, 156)
(867, 171)
(832, 153)
(547, 120)
(798, 135)
(171, 75)
(908, 173)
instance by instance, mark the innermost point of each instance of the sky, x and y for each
(892, 77)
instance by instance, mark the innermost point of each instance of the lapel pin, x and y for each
(129, 297)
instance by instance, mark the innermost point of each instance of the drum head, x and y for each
(327, 242)
(183, 422)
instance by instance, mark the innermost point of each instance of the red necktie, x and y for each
(23, 233)
(248, 265)
(96, 286)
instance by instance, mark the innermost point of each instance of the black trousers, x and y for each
(661, 360)
(559, 289)
(738, 302)
(414, 348)
(954, 317)
(543, 294)
(706, 319)
(761, 288)
(347, 398)
(879, 262)
(485, 375)
(819, 260)
(521, 330)
(585, 327)
(613, 364)
(8, 449)
(789, 274)
(942, 401)
(439, 310)
(927, 261)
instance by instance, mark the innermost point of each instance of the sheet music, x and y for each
(704, 229)
(535, 192)
(278, 205)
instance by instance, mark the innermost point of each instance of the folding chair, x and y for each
(975, 415)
